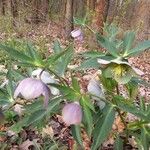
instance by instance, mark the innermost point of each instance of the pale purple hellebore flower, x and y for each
(94, 88)
(77, 34)
(72, 114)
(30, 88)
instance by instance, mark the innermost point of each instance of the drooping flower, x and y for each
(72, 113)
(121, 70)
(77, 34)
(46, 78)
(30, 88)
(94, 88)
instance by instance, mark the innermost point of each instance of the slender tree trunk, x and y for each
(35, 12)
(141, 19)
(14, 11)
(3, 7)
(92, 4)
(101, 14)
(69, 18)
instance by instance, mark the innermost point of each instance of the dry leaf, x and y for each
(26, 144)
(48, 130)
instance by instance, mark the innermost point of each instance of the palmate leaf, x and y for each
(109, 45)
(103, 127)
(138, 49)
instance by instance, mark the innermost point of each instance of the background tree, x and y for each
(69, 17)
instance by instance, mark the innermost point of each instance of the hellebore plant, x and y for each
(30, 88)
(92, 110)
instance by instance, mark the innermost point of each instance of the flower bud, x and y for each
(30, 88)
(94, 88)
(72, 113)
(77, 34)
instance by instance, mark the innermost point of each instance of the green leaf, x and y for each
(15, 54)
(118, 144)
(128, 41)
(53, 103)
(67, 91)
(34, 54)
(19, 125)
(86, 99)
(89, 64)
(76, 133)
(138, 49)
(62, 64)
(108, 83)
(145, 138)
(103, 127)
(37, 115)
(140, 81)
(109, 45)
(92, 54)
(87, 117)
(36, 105)
(9, 86)
(57, 48)
(129, 107)
(132, 89)
(75, 84)
(79, 21)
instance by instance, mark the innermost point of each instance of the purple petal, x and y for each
(30, 88)
(77, 34)
(72, 114)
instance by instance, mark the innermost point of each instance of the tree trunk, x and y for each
(14, 11)
(69, 18)
(92, 4)
(101, 10)
(141, 19)
(3, 7)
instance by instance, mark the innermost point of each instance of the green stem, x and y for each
(62, 80)
(122, 118)
(90, 29)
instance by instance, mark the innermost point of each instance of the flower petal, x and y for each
(138, 71)
(94, 88)
(72, 114)
(31, 88)
(102, 61)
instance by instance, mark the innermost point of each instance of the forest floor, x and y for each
(44, 35)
